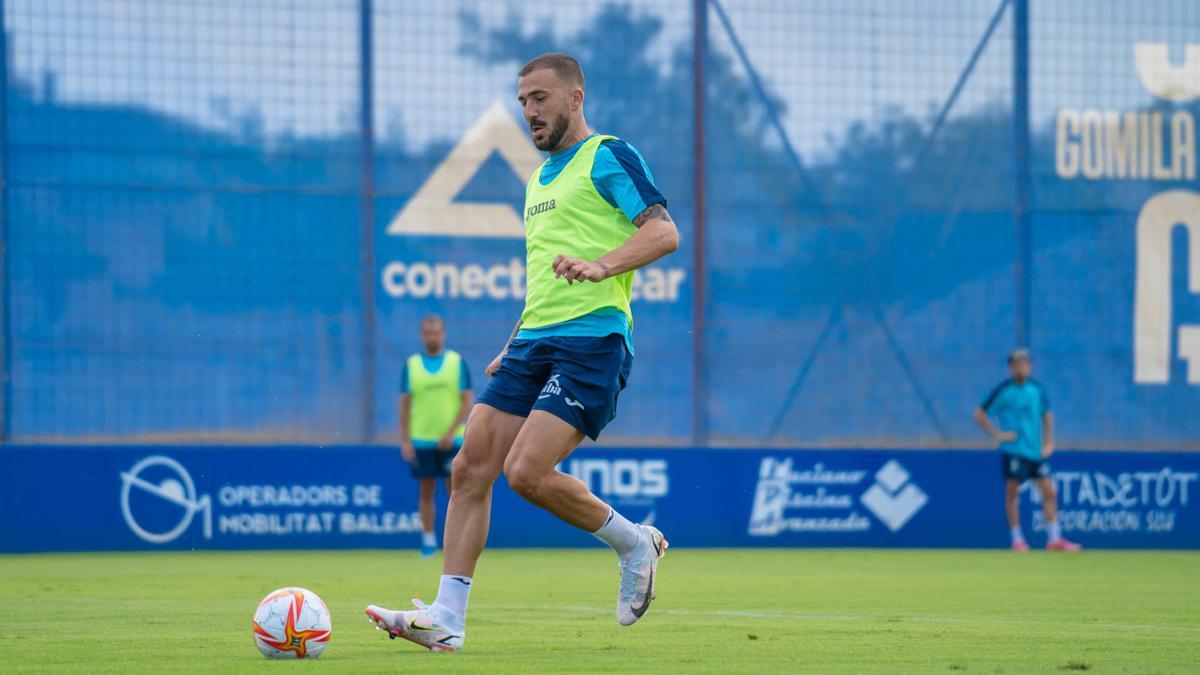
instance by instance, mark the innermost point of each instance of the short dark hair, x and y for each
(565, 67)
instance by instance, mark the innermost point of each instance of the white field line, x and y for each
(820, 616)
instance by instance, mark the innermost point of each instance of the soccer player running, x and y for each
(435, 396)
(1026, 438)
(592, 216)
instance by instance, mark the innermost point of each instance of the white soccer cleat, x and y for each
(418, 626)
(637, 576)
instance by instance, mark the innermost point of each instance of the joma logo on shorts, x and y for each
(539, 208)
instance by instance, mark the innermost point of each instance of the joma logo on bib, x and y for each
(539, 208)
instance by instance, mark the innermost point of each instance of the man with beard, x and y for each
(435, 396)
(592, 216)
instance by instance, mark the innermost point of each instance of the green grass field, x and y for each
(547, 610)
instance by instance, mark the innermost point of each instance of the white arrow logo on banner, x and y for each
(892, 498)
(432, 209)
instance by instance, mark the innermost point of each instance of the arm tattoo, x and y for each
(653, 211)
(516, 329)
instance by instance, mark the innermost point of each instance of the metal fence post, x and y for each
(367, 147)
(5, 286)
(1021, 216)
(699, 290)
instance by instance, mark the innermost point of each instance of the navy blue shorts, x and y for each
(434, 463)
(575, 378)
(1022, 469)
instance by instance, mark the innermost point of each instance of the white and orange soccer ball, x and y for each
(292, 623)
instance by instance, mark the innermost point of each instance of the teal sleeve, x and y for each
(622, 178)
(991, 397)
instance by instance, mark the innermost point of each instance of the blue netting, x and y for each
(186, 203)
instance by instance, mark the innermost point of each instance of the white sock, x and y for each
(619, 533)
(451, 603)
(1053, 531)
(429, 539)
(1016, 535)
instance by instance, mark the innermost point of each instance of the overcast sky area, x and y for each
(294, 66)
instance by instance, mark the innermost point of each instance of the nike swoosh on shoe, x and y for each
(639, 611)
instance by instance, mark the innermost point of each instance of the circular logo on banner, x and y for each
(170, 484)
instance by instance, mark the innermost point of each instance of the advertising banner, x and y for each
(179, 498)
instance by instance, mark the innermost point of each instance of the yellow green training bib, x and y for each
(436, 397)
(569, 217)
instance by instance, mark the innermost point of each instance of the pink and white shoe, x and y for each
(1061, 544)
(1020, 546)
(418, 626)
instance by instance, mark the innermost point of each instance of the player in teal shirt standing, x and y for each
(1026, 437)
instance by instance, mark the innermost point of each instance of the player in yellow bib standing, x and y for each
(435, 395)
(593, 215)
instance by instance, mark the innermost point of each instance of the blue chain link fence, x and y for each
(224, 219)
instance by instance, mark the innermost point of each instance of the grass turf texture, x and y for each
(535, 610)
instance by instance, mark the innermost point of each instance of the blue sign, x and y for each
(148, 498)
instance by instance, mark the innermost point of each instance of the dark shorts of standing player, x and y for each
(431, 462)
(1022, 469)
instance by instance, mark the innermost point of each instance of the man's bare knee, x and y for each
(473, 476)
(1048, 491)
(524, 478)
(490, 434)
(469, 477)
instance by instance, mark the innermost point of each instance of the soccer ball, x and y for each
(292, 623)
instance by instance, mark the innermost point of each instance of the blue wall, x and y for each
(203, 240)
(182, 498)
